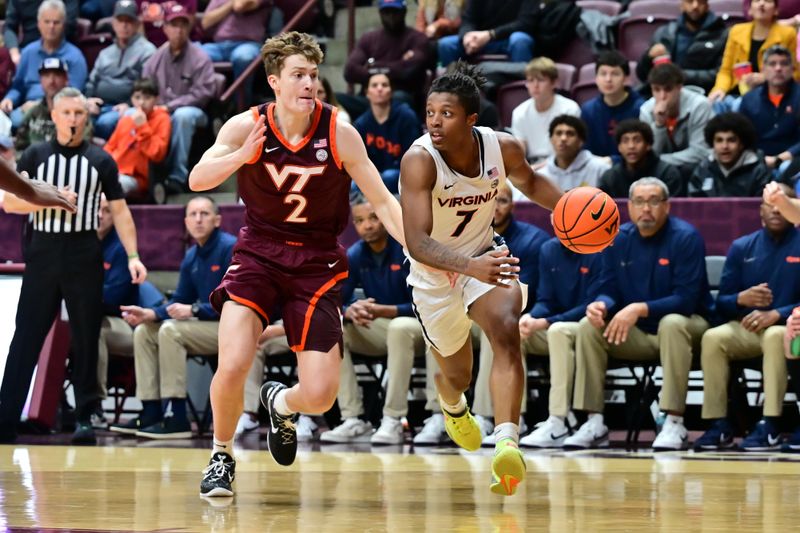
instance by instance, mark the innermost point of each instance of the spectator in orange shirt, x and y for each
(140, 138)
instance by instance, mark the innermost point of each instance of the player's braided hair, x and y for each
(463, 80)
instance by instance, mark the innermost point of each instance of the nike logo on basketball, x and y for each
(331, 265)
(268, 150)
(596, 216)
(449, 186)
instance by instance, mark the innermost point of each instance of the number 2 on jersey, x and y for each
(463, 224)
(304, 174)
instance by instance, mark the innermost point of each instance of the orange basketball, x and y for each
(586, 220)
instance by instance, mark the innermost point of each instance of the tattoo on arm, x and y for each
(435, 254)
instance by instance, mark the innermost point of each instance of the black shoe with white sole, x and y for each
(282, 435)
(218, 476)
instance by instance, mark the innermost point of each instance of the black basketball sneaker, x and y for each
(218, 476)
(282, 436)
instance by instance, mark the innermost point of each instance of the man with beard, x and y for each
(396, 50)
(694, 41)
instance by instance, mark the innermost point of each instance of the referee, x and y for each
(65, 261)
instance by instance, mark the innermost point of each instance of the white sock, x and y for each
(280, 403)
(675, 419)
(506, 430)
(222, 446)
(455, 409)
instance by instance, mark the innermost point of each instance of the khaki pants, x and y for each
(673, 344)
(731, 342)
(116, 337)
(558, 341)
(160, 350)
(400, 339)
(252, 387)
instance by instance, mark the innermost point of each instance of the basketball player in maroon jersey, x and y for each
(293, 162)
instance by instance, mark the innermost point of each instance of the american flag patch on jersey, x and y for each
(321, 143)
(493, 173)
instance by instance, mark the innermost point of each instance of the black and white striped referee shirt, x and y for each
(86, 169)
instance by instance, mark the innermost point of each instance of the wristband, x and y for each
(133, 256)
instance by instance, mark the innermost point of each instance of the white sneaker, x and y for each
(673, 436)
(390, 432)
(488, 439)
(351, 430)
(305, 428)
(592, 434)
(432, 432)
(549, 434)
(246, 424)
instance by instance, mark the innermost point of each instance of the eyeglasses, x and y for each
(652, 202)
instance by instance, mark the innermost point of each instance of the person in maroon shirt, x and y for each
(153, 16)
(293, 162)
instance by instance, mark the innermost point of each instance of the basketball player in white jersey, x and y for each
(459, 271)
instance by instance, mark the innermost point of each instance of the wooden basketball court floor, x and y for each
(357, 488)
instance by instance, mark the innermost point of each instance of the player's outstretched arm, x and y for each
(239, 142)
(354, 158)
(30, 195)
(532, 184)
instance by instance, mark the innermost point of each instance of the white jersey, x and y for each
(463, 207)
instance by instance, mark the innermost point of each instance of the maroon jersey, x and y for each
(298, 193)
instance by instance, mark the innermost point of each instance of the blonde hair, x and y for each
(542, 66)
(277, 49)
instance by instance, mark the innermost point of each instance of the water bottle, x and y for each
(794, 347)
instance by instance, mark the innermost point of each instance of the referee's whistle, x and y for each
(74, 132)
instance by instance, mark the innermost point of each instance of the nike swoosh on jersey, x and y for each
(331, 265)
(268, 150)
(449, 186)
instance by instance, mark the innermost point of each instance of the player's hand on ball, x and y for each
(596, 313)
(494, 267)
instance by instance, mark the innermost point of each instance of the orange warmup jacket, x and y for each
(135, 147)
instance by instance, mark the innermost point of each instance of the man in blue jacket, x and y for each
(524, 241)
(652, 306)
(568, 282)
(773, 107)
(380, 323)
(760, 286)
(187, 324)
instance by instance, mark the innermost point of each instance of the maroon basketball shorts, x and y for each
(302, 284)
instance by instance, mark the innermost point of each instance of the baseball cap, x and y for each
(53, 63)
(392, 4)
(6, 142)
(126, 8)
(177, 11)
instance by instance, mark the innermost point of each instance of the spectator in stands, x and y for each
(742, 62)
(733, 168)
(236, 28)
(37, 123)
(325, 93)
(695, 42)
(493, 27)
(524, 241)
(7, 69)
(187, 324)
(381, 323)
(118, 66)
(141, 138)
(95, 10)
(388, 129)
(677, 115)
(25, 17)
(760, 286)
(568, 282)
(153, 14)
(772, 108)
(571, 165)
(652, 306)
(615, 103)
(116, 336)
(437, 18)
(184, 75)
(26, 89)
(396, 50)
(530, 118)
(635, 144)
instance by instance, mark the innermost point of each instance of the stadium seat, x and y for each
(577, 52)
(103, 25)
(643, 8)
(733, 7)
(607, 7)
(510, 96)
(91, 46)
(566, 76)
(583, 92)
(635, 34)
(84, 28)
(732, 18)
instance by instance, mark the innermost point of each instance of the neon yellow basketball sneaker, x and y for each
(463, 430)
(508, 467)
